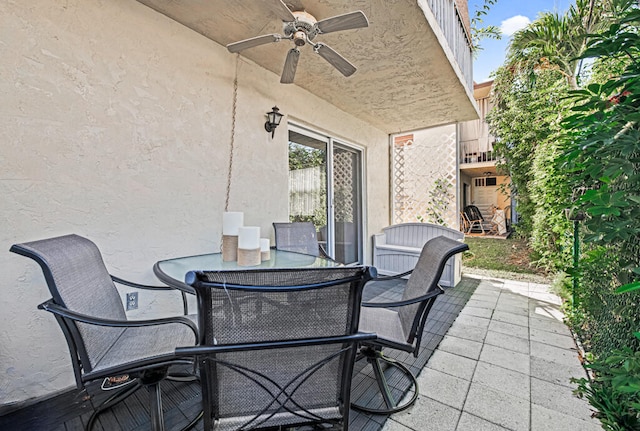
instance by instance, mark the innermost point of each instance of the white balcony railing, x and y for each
(470, 152)
(456, 34)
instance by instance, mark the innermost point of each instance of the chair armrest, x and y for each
(222, 348)
(403, 303)
(391, 277)
(54, 308)
(138, 285)
(185, 305)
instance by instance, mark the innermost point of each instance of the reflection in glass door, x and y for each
(307, 179)
(347, 211)
(325, 188)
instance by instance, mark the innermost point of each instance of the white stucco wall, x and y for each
(115, 125)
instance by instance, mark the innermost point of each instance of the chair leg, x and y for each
(375, 357)
(151, 379)
(382, 382)
(112, 401)
(155, 396)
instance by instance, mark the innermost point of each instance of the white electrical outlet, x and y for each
(132, 301)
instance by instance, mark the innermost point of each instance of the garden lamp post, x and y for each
(576, 258)
(576, 216)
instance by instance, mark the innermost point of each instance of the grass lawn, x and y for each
(510, 258)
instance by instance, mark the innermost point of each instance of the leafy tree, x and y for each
(551, 234)
(542, 65)
(602, 150)
(603, 142)
(301, 156)
(555, 41)
(304, 157)
(478, 31)
(594, 147)
(524, 117)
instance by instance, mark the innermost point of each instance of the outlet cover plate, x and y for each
(132, 301)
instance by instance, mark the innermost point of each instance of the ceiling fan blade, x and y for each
(254, 41)
(335, 59)
(290, 66)
(279, 8)
(347, 21)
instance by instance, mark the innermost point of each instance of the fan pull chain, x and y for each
(233, 132)
(233, 137)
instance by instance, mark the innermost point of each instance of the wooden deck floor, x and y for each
(181, 401)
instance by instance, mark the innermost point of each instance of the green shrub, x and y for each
(602, 152)
(615, 390)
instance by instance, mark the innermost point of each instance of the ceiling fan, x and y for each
(302, 28)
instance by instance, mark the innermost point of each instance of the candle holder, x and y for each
(247, 257)
(229, 248)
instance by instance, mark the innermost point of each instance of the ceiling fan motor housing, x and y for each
(303, 28)
(299, 38)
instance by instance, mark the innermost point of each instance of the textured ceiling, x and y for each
(404, 80)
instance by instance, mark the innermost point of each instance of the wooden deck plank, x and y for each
(74, 424)
(138, 409)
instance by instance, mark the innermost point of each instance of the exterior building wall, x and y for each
(116, 125)
(504, 199)
(464, 178)
(477, 158)
(488, 197)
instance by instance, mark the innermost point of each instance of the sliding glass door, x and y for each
(325, 188)
(347, 200)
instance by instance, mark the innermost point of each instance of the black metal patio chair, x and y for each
(103, 343)
(277, 346)
(474, 219)
(300, 237)
(400, 325)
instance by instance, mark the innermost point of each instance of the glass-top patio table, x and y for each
(173, 271)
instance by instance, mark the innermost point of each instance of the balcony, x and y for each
(471, 152)
(456, 34)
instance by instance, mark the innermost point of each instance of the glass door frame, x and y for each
(331, 143)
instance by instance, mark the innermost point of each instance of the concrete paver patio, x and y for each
(505, 364)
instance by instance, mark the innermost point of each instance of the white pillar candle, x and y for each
(265, 250)
(231, 221)
(249, 238)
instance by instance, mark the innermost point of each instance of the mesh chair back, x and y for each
(424, 280)
(278, 387)
(78, 280)
(300, 237)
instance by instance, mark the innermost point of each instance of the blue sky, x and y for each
(509, 16)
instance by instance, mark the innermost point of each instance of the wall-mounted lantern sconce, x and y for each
(273, 120)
